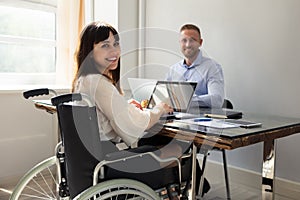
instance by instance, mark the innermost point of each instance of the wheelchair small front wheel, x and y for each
(120, 189)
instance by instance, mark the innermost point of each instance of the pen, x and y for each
(203, 119)
(216, 116)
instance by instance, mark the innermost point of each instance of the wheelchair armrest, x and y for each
(186, 155)
(129, 153)
(126, 155)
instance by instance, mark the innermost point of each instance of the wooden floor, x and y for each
(238, 192)
(4, 195)
(217, 192)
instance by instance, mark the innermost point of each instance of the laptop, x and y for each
(177, 94)
(141, 88)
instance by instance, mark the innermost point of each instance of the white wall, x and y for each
(123, 15)
(256, 42)
(26, 135)
(107, 12)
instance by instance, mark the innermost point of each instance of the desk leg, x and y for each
(194, 162)
(205, 153)
(268, 170)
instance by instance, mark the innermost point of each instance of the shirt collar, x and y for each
(188, 67)
(195, 63)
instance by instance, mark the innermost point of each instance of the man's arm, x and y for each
(215, 88)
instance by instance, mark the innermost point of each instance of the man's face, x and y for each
(190, 42)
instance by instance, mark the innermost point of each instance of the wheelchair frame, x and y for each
(58, 189)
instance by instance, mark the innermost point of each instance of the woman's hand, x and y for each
(166, 108)
(136, 103)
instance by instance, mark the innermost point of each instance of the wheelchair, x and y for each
(84, 167)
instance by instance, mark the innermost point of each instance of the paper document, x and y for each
(213, 123)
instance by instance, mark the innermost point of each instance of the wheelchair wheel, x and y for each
(119, 189)
(40, 182)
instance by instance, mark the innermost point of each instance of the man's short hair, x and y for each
(190, 27)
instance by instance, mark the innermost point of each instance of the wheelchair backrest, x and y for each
(80, 136)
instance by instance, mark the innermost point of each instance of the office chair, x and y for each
(227, 104)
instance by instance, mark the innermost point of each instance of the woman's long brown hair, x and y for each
(93, 34)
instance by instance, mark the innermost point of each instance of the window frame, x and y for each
(16, 79)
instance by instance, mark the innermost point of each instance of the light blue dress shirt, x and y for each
(209, 76)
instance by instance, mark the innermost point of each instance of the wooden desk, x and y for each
(45, 105)
(273, 127)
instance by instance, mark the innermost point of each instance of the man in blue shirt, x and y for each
(198, 68)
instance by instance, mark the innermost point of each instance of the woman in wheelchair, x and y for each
(119, 122)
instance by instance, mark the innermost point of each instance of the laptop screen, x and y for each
(141, 88)
(176, 94)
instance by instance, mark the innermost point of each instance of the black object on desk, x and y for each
(221, 113)
(245, 124)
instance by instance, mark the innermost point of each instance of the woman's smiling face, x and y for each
(107, 53)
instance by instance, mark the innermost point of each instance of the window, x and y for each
(28, 42)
